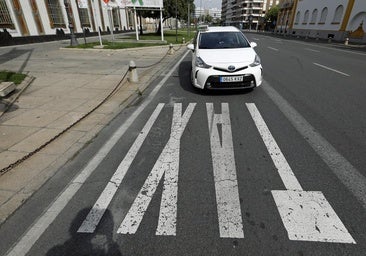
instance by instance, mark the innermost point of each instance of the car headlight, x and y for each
(200, 63)
(257, 61)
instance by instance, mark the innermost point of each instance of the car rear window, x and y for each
(222, 40)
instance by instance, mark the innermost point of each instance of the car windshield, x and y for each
(220, 40)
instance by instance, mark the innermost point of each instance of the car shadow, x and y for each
(184, 73)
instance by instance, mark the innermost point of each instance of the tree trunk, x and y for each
(141, 32)
(158, 32)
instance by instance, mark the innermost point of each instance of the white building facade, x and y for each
(242, 13)
(49, 17)
(268, 4)
(338, 19)
(246, 13)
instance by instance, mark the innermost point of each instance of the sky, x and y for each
(207, 4)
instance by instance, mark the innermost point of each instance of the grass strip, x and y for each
(9, 76)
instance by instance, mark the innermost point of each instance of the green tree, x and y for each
(208, 18)
(271, 14)
(172, 8)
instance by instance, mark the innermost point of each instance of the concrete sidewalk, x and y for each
(67, 85)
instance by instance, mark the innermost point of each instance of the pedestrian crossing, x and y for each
(306, 215)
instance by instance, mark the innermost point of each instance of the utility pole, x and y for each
(73, 41)
(176, 20)
(189, 20)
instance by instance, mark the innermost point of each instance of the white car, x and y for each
(223, 58)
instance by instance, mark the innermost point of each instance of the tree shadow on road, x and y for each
(99, 243)
(15, 53)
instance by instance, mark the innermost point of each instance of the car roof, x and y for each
(221, 29)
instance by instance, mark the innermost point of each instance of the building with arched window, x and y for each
(19, 18)
(338, 19)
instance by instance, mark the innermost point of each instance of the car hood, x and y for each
(224, 57)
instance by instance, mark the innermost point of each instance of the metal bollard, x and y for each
(171, 50)
(346, 42)
(133, 72)
(184, 40)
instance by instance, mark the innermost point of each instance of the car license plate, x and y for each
(231, 79)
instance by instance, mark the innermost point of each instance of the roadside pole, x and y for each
(161, 24)
(136, 27)
(97, 24)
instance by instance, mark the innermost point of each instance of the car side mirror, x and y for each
(253, 44)
(190, 47)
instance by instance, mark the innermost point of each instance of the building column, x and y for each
(347, 15)
(293, 15)
(23, 29)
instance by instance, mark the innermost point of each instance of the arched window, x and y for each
(306, 17)
(314, 16)
(323, 16)
(297, 20)
(338, 15)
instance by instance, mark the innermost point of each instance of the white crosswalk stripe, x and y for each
(168, 164)
(226, 184)
(306, 215)
(97, 212)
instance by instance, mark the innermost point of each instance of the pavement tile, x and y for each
(20, 176)
(91, 134)
(9, 157)
(27, 101)
(75, 81)
(64, 103)
(66, 120)
(90, 121)
(35, 140)
(88, 94)
(11, 135)
(54, 91)
(105, 83)
(5, 195)
(63, 144)
(35, 118)
(12, 112)
(108, 107)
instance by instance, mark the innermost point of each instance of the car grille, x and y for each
(225, 70)
(213, 82)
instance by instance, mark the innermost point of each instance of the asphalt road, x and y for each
(279, 170)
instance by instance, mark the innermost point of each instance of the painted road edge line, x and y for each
(273, 49)
(341, 167)
(330, 69)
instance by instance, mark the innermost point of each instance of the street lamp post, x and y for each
(189, 20)
(176, 20)
(73, 41)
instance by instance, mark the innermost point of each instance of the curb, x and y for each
(120, 50)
